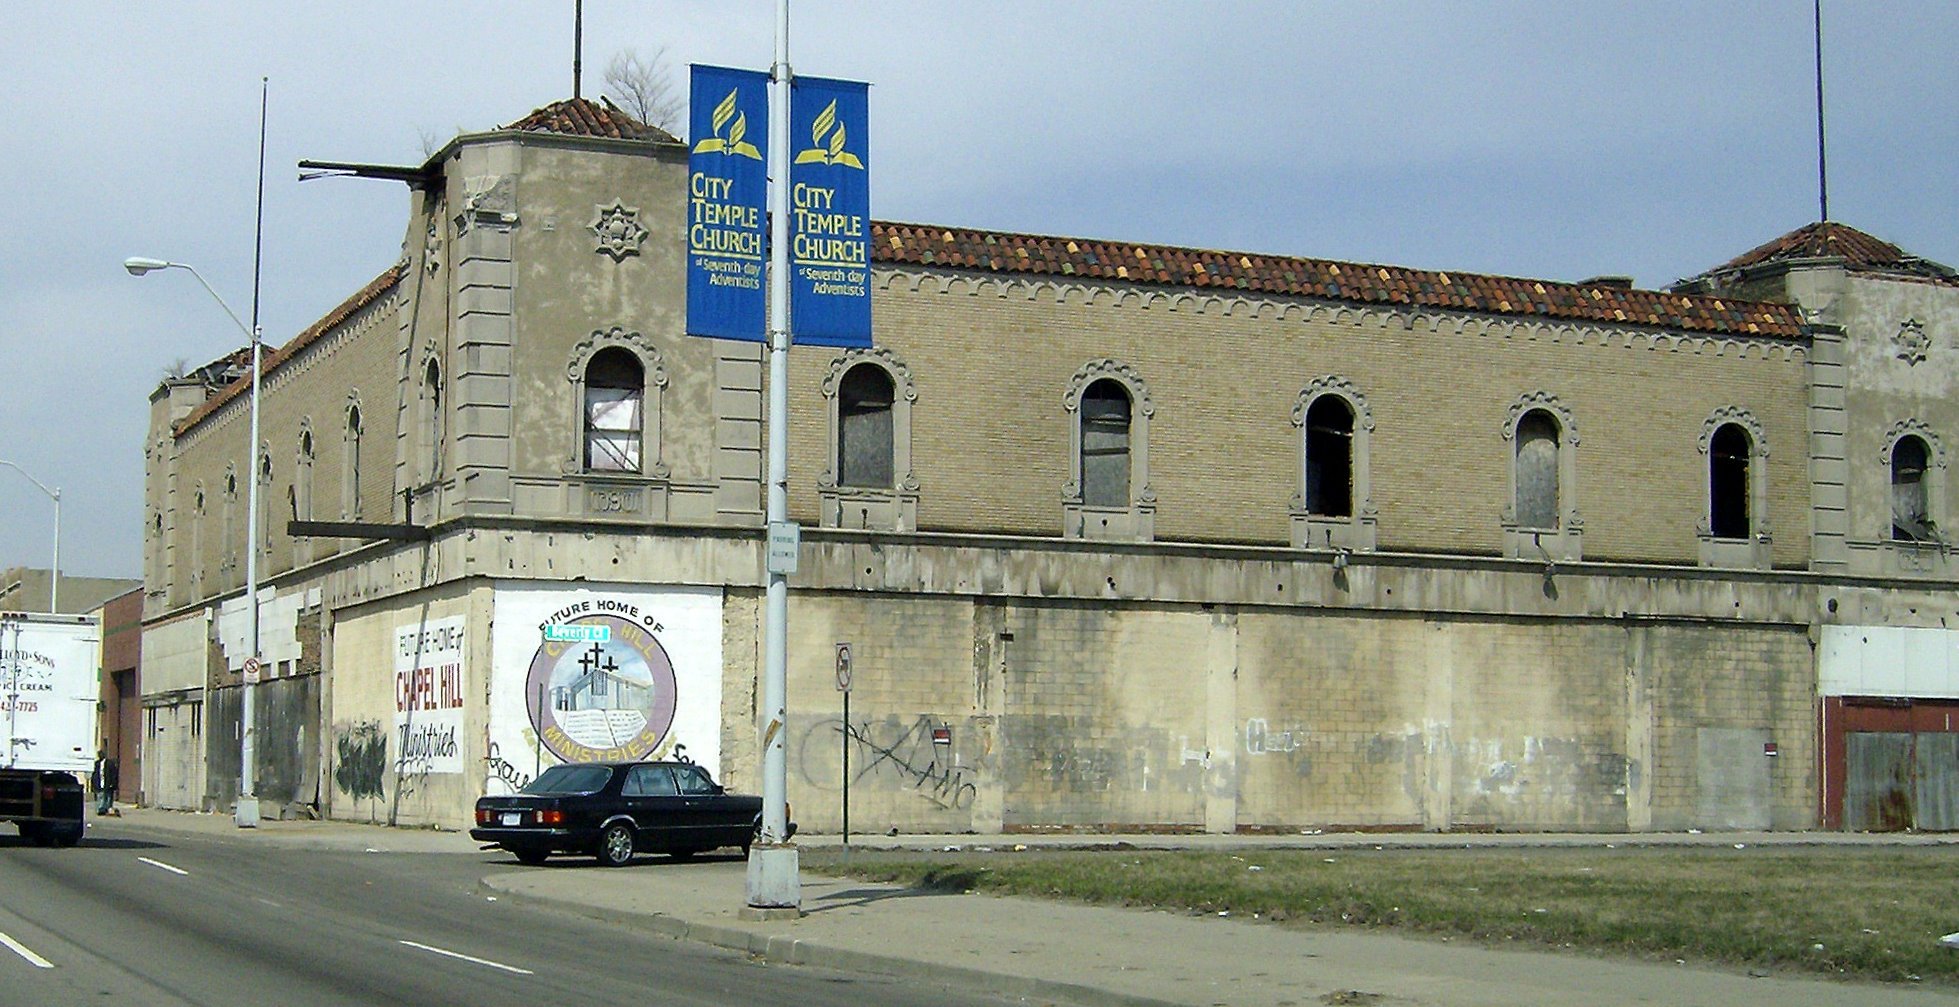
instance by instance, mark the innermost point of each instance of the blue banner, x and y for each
(829, 212)
(727, 198)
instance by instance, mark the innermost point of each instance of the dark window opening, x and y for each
(1727, 474)
(1911, 518)
(864, 442)
(1537, 471)
(1330, 457)
(1105, 445)
(614, 415)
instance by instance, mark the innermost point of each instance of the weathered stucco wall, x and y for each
(989, 713)
(365, 776)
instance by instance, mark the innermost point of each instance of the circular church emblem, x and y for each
(602, 700)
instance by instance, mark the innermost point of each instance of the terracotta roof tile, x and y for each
(1859, 252)
(584, 117)
(270, 360)
(1032, 254)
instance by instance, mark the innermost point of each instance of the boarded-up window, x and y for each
(1911, 519)
(614, 396)
(1105, 445)
(1727, 482)
(864, 441)
(1537, 471)
(1330, 457)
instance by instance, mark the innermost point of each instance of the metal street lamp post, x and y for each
(54, 581)
(246, 815)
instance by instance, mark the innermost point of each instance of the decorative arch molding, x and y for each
(653, 370)
(1137, 521)
(1758, 445)
(880, 508)
(306, 449)
(1902, 429)
(1356, 530)
(1564, 543)
(1753, 551)
(1531, 402)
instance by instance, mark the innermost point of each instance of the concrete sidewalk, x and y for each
(1048, 952)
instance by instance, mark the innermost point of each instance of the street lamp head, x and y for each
(137, 266)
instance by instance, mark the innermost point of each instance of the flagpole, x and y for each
(1822, 165)
(774, 886)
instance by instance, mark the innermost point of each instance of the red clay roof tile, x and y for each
(920, 244)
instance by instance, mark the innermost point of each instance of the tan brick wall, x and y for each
(359, 357)
(990, 435)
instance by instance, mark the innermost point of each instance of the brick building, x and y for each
(1120, 535)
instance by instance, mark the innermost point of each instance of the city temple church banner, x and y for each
(602, 673)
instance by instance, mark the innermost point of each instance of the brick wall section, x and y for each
(358, 357)
(992, 361)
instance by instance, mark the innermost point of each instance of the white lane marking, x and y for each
(167, 867)
(21, 949)
(469, 958)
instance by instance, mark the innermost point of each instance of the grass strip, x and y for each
(1864, 913)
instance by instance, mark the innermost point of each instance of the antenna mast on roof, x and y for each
(578, 44)
(1822, 168)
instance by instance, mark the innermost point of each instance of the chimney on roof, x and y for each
(1609, 282)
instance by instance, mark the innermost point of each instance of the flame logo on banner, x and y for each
(725, 114)
(833, 152)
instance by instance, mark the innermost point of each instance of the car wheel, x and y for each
(616, 845)
(67, 835)
(34, 833)
(531, 855)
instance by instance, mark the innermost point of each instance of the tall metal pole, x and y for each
(54, 493)
(773, 868)
(246, 815)
(1822, 165)
(577, 45)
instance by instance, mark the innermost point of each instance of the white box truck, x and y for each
(49, 680)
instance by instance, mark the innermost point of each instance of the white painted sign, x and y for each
(429, 697)
(785, 542)
(649, 688)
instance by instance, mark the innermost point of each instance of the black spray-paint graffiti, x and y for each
(892, 749)
(501, 769)
(362, 760)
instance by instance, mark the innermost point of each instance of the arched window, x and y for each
(615, 394)
(1105, 445)
(1330, 457)
(864, 444)
(1911, 514)
(1728, 459)
(227, 556)
(350, 464)
(1537, 470)
(431, 425)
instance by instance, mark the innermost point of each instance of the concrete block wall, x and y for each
(1191, 718)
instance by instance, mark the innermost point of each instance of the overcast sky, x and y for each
(1553, 140)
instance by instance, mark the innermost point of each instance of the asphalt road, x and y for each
(137, 916)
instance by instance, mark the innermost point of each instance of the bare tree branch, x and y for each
(646, 89)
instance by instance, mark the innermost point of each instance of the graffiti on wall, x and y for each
(891, 753)
(1071, 755)
(503, 771)
(361, 759)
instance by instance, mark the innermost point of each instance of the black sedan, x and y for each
(613, 810)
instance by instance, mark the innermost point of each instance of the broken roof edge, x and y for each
(273, 358)
(1359, 283)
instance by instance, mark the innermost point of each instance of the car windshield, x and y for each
(569, 780)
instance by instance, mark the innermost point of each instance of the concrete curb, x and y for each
(784, 949)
